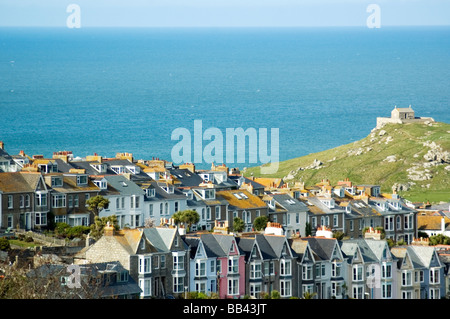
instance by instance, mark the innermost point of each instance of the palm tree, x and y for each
(309, 295)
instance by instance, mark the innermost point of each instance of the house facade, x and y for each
(270, 264)
(156, 258)
(24, 200)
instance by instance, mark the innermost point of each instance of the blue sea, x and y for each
(109, 90)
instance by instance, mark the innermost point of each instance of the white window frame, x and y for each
(145, 264)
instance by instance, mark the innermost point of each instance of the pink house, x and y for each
(229, 260)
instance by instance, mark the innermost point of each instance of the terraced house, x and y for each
(68, 196)
(24, 200)
(156, 258)
(244, 205)
(270, 265)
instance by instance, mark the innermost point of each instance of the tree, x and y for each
(439, 239)
(100, 223)
(309, 295)
(96, 204)
(187, 217)
(238, 224)
(308, 229)
(260, 223)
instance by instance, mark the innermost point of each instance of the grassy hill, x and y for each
(415, 157)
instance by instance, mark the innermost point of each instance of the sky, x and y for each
(223, 13)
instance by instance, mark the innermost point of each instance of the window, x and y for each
(307, 272)
(255, 289)
(176, 206)
(10, 201)
(285, 267)
(200, 268)
(10, 221)
(217, 212)
(27, 200)
(435, 293)
(358, 273)
(58, 201)
(200, 286)
(335, 289)
(399, 222)
(285, 288)
(335, 220)
(117, 203)
(41, 199)
(406, 278)
(76, 201)
(144, 264)
(178, 284)
(434, 276)
(358, 292)
(233, 265)
(233, 286)
(150, 209)
(255, 270)
(320, 270)
(41, 219)
(70, 200)
(163, 261)
(406, 295)
(123, 276)
(22, 201)
(389, 223)
(386, 290)
(82, 180)
(336, 269)
(408, 222)
(134, 201)
(178, 262)
(145, 285)
(57, 181)
(269, 268)
(386, 271)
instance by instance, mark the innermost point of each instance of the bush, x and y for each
(28, 239)
(66, 231)
(4, 244)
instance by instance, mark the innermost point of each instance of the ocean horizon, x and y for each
(110, 90)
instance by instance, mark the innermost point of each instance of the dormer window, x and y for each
(57, 181)
(168, 189)
(134, 169)
(208, 193)
(329, 203)
(102, 184)
(118, 169)
(82, 180)
(101, 168)
(150, 192)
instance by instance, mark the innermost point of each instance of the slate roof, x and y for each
(19, 182)
(322, 247)
(124, 186)
(217, 245)
(186, 177)
(291, 205)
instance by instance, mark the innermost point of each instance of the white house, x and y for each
(126, 200)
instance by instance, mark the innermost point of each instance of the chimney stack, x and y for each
(108, 230)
